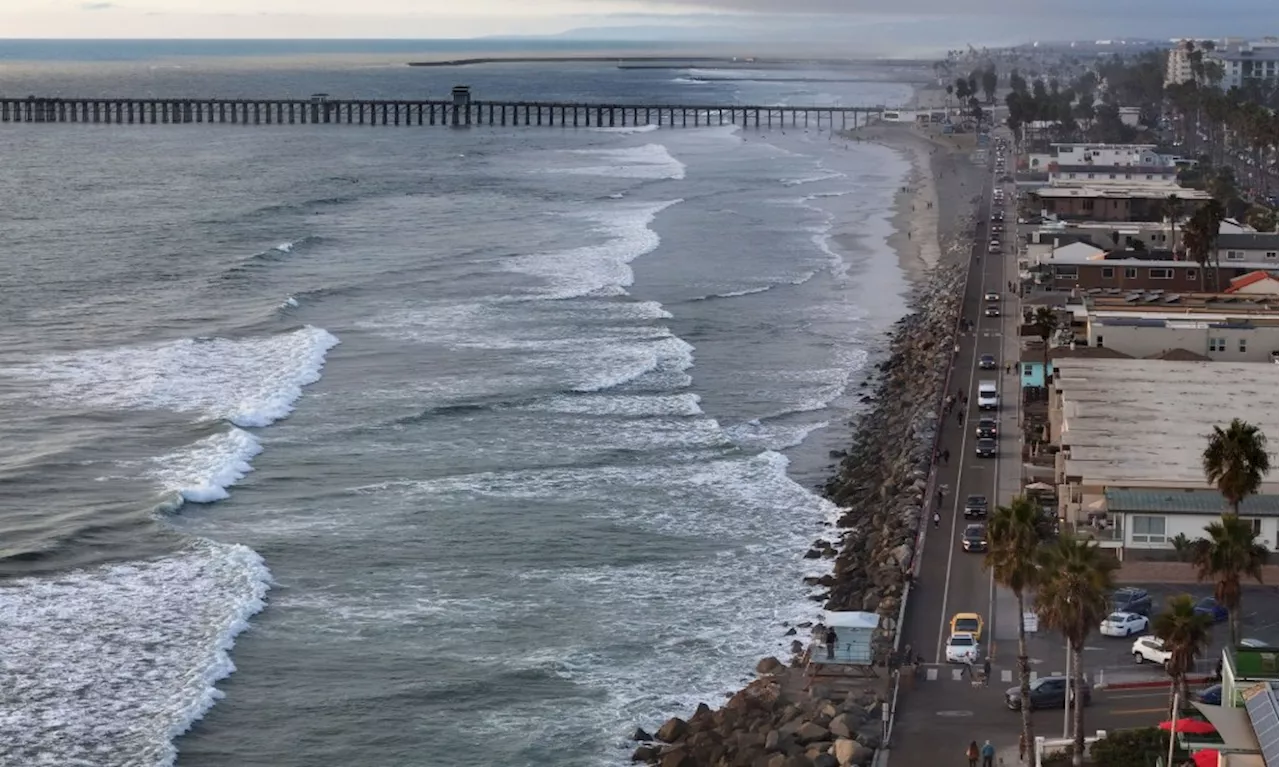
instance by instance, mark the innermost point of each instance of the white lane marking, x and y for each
(1034, 676)
(1006, 676)
(931, 674)
(957, 674)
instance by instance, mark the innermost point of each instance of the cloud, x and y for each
(97, 6)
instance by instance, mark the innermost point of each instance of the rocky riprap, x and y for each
(763, 726)
(881, 483)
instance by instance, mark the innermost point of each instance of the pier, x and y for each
(459, 111)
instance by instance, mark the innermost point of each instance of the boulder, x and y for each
(678, 757)
(844, 725)
(869, 735)
(843, 750)
(645, 754)
(769, 666)
(672, 730)
(862, 755)
(641, 735)
(825, 760)
(811, 733)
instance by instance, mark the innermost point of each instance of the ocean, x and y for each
(339, 445)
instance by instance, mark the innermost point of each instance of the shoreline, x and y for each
(880, 485)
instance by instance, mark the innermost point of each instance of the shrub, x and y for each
(1134, 748)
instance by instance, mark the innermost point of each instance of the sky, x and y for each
(434, 19)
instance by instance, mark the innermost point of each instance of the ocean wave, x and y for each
(247, 381)
(626, 129)
(733, 293)
(107, 665)
(650, 161)
(828, 176)
(760, 435)
(203, 472)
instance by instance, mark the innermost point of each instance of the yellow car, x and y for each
(967, 623)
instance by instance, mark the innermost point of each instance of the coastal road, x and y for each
(939, 713)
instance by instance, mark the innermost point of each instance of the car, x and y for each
(1210, 607)
(1210, 696)
(987, 362)
(967, 623)
(962, 648)
(987, 448)
(975, 507)
(994, 250)
(988, 395)
(1255, 643)
(991, 295)
(997, 228)
(974, 538)
(1150, 649)
(1046, 692)
(995, 242)
(992, 310)
(1124, 624)
(987, 428)
(1131, 600)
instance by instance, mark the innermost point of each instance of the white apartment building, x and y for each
(1111, 155)
(1240, 61)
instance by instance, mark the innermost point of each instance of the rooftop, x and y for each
(1152, 191)
(1187, 502)
(1127, 421)
(1178, 355)
(1100, 257)
(1164, 170)
(1248, 241)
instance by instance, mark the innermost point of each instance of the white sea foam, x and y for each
(248, 381)
(626, 129)
(602, 268)
(628, 405)
(758, 435)
(106, 666)
(734, 293)
(650, 161)
(203, 472)
(829, 176)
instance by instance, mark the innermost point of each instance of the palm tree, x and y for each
(1236, 461)
(1013, 538)
(1173, 211)
(1073, 583)
(1045, 321)
(1185, 634)
(1230, 552)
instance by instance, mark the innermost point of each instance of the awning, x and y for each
(1233, 727)
(851, 620)
(1241, 760)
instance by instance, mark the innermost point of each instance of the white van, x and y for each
(988, 398)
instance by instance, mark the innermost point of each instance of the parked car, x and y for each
(1150, 649)
(1046, 692)
(987, 362)
(975, 507)
(974, 538)
(1124, 624)
(1210, 606)
(986, 448)
(1211, 695)
(987, 428)
(1131, 600)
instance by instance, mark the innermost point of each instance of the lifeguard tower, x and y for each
(850, 655)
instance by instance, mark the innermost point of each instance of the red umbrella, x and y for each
(1205, 758)
(1190, 726)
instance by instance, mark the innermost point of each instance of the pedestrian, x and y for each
(971, 753)
(831, 643)
(988, 754)
(960, 418)
(937, 519)
(986, 672)
(946, 456)
(937, 499)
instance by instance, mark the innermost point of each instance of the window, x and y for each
(1255, 523)
(1028, 370)
(1068, 272)
(1217, 344)
(1071, 175)
(1131, 272)
(1244, 346)
(1090, 175)
(1149, 177)
(1099, 342)
(1087, 204)
(1192, 274)
(1147, 529)
(1160, 274)
(1271, 255)
(1114, 175)
(1235, 255)
(1108, 272)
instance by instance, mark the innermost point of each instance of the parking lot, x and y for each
(1113, 655)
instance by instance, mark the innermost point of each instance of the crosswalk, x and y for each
(961, 674)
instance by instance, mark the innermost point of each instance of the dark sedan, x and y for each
(988, 428)
(1210, 607)
(975, 538)
(975, 506)
(987, 362)
(992, 310)
(1046, 692)
(987, 448)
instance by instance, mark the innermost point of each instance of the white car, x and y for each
(1149, 649)
(962, 648)
(1124, 624)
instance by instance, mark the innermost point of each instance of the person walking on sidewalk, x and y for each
(937, 519)
(986, 672)
(971, 753)
(988, 754)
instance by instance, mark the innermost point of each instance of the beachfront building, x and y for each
(1130, 434)
(1249, 247)
(1113, 201)
(1103, 155)
(1093, 175)
(1046, 235)
(1082, 268)
(1200, 336)
(1246, 61)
